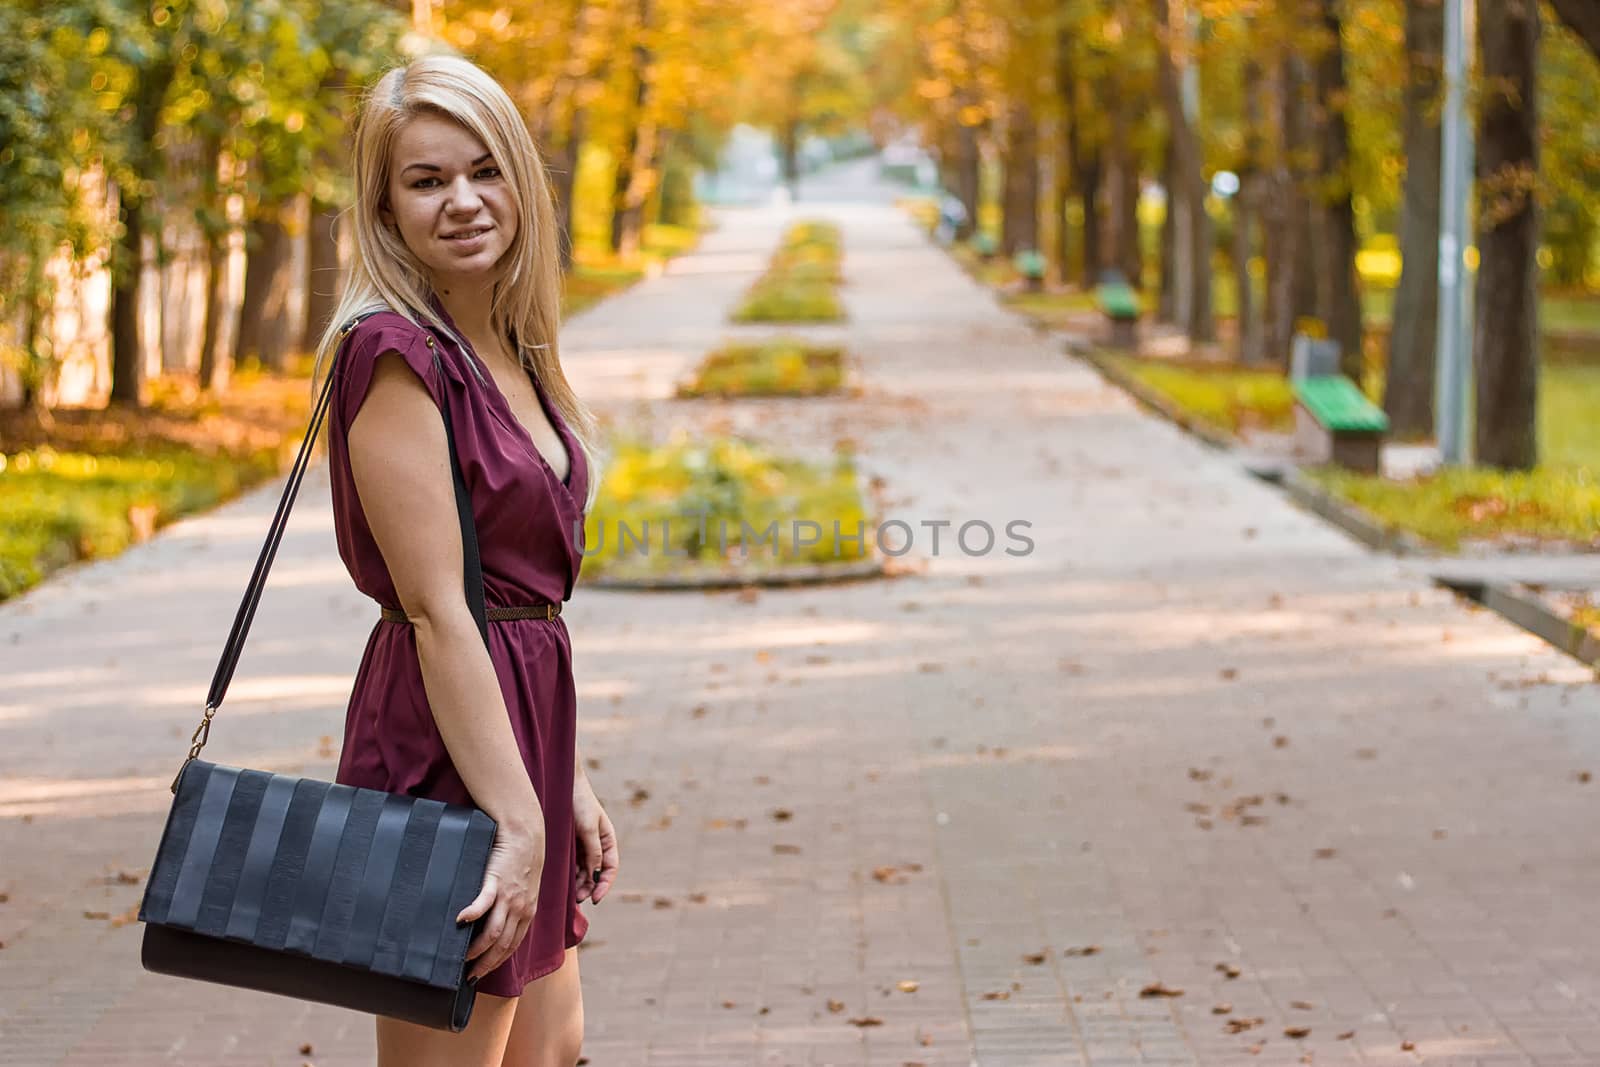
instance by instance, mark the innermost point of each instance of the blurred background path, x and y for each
(1194, 750)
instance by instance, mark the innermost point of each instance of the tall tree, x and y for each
(1187, 192)
(1408, 396)
(1506, 338)
(1340, 291)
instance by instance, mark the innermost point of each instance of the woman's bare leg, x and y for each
(481, 1044)
(548, 1029)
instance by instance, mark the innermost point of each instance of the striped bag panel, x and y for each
(331, 872)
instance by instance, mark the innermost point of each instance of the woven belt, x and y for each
(521, 611)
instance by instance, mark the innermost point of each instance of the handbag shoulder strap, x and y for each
(233, 647)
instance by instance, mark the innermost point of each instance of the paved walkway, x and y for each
(1193, 741)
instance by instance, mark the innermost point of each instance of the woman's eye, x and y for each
(422, 183)
(489, 172)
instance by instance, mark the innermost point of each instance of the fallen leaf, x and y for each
(698, 712)
(835, 1006)
(1086, 950)
(1240, 1025)
(1325, 853)
(1408, 1046)
(786, 850)
(1228, 674)
(661, 902)
(782, 814)
(906, 985)
(866, 1020)
(97, 915)
(1280, 742)
(1347, 1035)
(729, 1004)
(640, 795)
(1157, 989)
(998, 994)
(1199, 775)
(1297, 1031)
(1229, 970)
(305, 1049)
(1302, 1005)
(1222, 1009)
(748, 594)
(1036, 958)
(1198, 809)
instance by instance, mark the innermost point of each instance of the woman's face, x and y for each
(449, 200)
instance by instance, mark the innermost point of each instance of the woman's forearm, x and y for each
(470, 712)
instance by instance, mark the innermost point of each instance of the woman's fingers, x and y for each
(482, 902)
(589, 853)
(511, 935)
(490, 933)
(609, 859)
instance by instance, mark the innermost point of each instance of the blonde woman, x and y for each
(455, 284)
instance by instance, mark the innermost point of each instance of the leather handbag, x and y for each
(310, 889)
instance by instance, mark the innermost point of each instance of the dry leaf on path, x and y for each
(1157, 989)
(1297, 1031)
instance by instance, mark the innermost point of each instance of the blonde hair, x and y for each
(526, 304)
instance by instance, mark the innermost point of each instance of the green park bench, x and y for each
(1334, 419)
(1119, 303)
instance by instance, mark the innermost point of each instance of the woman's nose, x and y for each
(463, 197)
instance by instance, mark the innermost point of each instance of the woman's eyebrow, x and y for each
(435, 167)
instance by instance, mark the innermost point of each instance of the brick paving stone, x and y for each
(1031, 741)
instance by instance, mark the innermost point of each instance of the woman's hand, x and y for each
(509, 896)
(597, 842)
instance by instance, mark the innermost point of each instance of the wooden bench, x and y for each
(1334, 421)
(1119, 303)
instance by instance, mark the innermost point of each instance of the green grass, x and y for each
(714, 505)
(60, 507)
(1558, 312)
(800, 284)
(786, 301)
(1227, 397)
(1558, 500)
(786, 366)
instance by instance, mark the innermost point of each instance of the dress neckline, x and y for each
(505, 413)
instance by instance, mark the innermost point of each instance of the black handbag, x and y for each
(315, 890)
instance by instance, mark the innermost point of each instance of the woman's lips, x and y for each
(467, 239)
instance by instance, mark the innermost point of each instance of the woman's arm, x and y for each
(400, 461)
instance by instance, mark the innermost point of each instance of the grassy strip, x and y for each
(800, 282)
(719, 507)
(85, 484)
(1455, 506)
(786, 366)
(1557, 501)
(1227, 397)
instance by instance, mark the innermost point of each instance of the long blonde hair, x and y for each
(526, 304)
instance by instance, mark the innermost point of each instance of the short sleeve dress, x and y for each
(530, 532)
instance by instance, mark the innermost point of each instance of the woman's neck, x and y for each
(469, 309)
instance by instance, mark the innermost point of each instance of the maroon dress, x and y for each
(529, 526)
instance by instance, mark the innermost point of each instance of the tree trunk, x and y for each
(1061, 199)
(127, 359)
(1126, 254)
(1192, 226)
(639, 143)
(968, 177)
(1583, 18)
(264, 328)
(1020, 225)
(1249, 330)
(1340, 301)
(215, 365)
(1167, 303)
(565, 182)
(1292, 266)
(1506, 340)
(1413, 329)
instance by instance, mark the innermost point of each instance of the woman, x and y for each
(455, 245)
